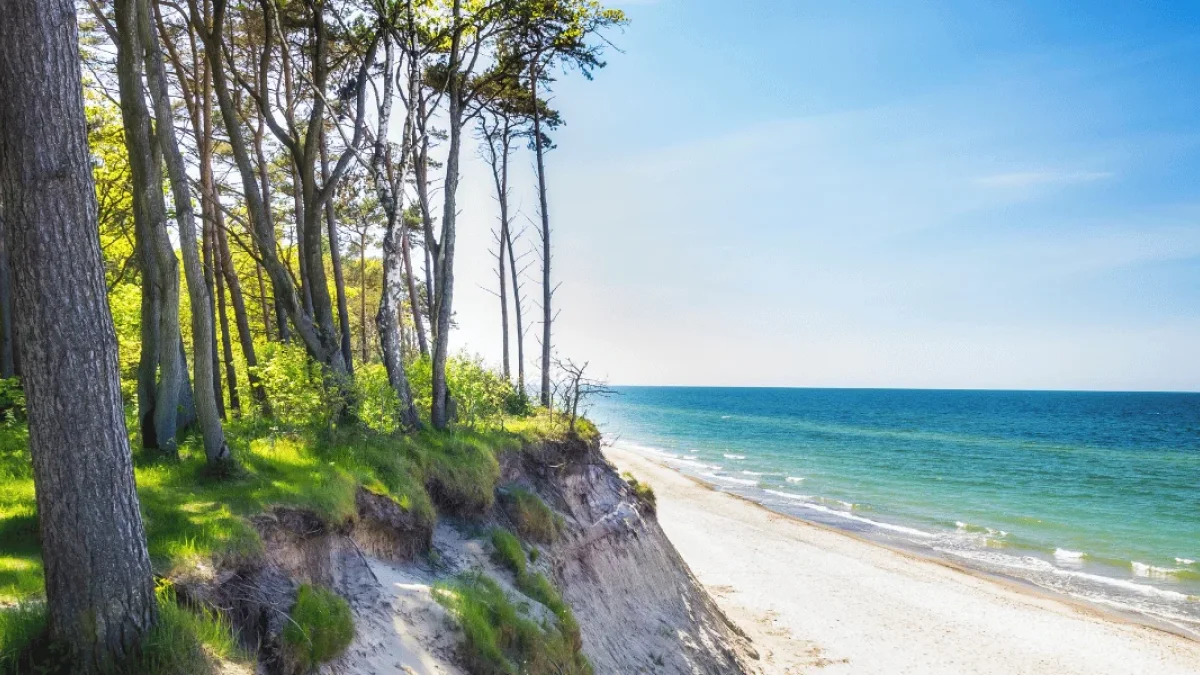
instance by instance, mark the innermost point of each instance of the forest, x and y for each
(227, 283)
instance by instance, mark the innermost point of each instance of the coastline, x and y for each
(810, 596)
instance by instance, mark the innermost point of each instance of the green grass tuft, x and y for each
(642, 492)
(183, 642)
(461, 470)
(508, 551)
(20, 627)
(500, 638)
(534, 519)
(320, 629)
(187, 642)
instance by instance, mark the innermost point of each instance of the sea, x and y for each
(1092, 495)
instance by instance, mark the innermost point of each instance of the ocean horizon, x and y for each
(1091, 494)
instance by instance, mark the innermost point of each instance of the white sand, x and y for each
(817, 600)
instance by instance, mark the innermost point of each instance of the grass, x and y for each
(643, 492)
(508, 551)
(183, 642)
(20, 626)
(501, 638)
(460, 468)
(187, 642)
(534, 519)
(193, 518)
(509, 554)
(542, 426)
(320, 629)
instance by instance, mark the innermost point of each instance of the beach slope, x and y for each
(817, 600)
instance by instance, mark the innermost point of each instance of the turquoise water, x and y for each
(1095, 495)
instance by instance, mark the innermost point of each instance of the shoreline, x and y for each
(880, 617)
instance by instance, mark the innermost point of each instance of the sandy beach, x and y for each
(817, 600)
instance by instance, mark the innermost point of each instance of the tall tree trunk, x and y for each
(362, 293)
(99, 588)
(499, 163)
(241, 318)
(322, 346)
(516, 291)
(264, 180)
(158, 403)
(547, 289)
(387, 319)
(215, 449)
(414, 298)
(444, 258)
(335, 256)
(210, 283)
(235, 402)
(7, 361)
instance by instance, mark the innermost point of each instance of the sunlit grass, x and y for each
(193, 518)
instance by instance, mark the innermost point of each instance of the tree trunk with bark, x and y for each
(8, 366)
(516, 292)
(335, 256)
(235, 401)
(240, 317)
(443, 268)
(158, 402)
(539, 147)
(387, 319)
(215, 448)
(99, 588)
(323, 347)
(414, 298)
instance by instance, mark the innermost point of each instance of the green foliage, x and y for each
(534, 520)
(320, 629)
(293, 384)
(20, 558)
(509, 554)
(183, 642)
(483, 396)
(378, 404)
(460, 468)
(501, 638)
(643, 492)
(542, 425)
(20, 627)
(187, 642)
(508, 551)
(12, 399)
(388, 465)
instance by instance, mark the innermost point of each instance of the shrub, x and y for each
(534, 520)
(483, 396)
(320, 629)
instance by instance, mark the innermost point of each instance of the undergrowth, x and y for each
(321, 627)
(534, 519)
(500, 636)
(182, 642)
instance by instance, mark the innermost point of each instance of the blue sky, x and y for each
(899, 194)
